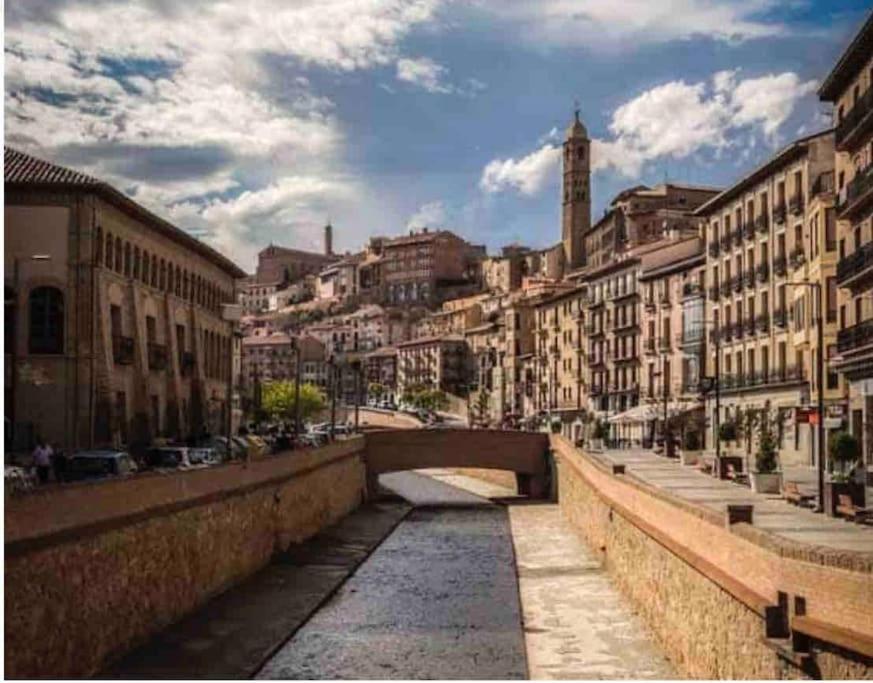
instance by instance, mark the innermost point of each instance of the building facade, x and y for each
(114, 332)
(849, 87)
(436, 363)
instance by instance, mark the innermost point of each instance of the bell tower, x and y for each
(576, 191)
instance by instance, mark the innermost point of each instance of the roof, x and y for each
(267, 340)
(786, 155)
(431, 340)
(673, 255)
(576, 129)
(850, 63)
(418, 237)
(26, 171)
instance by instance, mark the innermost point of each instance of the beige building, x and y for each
(766, 235)
(436, 362)
(114, 331)
(849, 87)
(640, 215)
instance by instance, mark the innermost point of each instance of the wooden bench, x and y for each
(791, 492)
(851, 511)
(737, 476)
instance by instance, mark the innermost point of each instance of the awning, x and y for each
(650, 411)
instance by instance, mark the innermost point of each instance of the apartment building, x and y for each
(673, 333)
(380, 367)
(769, 237)
(849, 87)
(271, 357)
(114, 328)
(435, 362)
(640, 215)
(518, 363)
(560, 387)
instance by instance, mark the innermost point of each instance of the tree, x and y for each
(844, 450)
(765, 458)
(376, 390)
(481, 408)
(278, 400)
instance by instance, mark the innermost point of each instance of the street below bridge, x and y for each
(466, 588)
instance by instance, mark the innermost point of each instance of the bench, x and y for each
(851, 511)
(737, 476)
(791, 492)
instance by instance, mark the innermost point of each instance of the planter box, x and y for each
(766, 482)
(833, 490)
(689, 457)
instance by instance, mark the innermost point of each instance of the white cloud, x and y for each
(616, 26)
(676, 120)
(430, 215)
(424, 73)
(527, 175)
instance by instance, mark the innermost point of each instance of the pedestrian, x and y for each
(42, 460)
(59, 463)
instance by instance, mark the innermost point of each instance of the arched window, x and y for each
(109, 250)
(98, 246)
(119, 255)
(46, 320)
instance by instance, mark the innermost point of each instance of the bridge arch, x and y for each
(525, 453)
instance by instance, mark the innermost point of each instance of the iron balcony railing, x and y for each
(779, 213)
(749, 278)
(714, 248)
(664, 344)
(780, 317)
(690, 289)
(122, 349)
(795, 204)
(855, 337)
(157, 356)
(763, 272)
(762, 322)
(737, 283)
(857, 188)
(855, 116)
(749, 229)
(714, 293)
(854, 264)
(649, 345)
(798, 257)
(761, 378)
(762, 223)
(780, 266)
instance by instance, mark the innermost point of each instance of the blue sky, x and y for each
(252, 122)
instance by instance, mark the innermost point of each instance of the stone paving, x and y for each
(771, 512)
(576, 623)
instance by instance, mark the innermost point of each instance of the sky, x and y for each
(250, 122)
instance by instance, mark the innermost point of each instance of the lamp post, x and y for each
(716, 384)
(819, 321)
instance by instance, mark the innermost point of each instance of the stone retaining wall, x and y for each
(706, 589)
(93, 569)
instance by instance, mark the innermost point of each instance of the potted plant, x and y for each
(727, 431)
(601, 432)
(766, 478)
(844, 451)
(689, 454)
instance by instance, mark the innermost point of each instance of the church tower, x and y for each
(576, 208)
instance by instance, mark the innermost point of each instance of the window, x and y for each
(832, 299)
(46, 320)
(830, 230)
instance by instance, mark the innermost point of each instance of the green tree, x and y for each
(765, 458)
(844, 451)
(481, 408)
(278, 400)
(375, 390)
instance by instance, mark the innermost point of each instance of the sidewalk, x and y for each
(771, 512)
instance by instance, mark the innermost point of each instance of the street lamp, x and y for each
(710, 383)
(819, 321)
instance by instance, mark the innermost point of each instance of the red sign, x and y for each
(806, 416)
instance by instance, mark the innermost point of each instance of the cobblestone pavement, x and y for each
(771, 512)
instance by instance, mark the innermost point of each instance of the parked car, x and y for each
(204, 456)
(99, 464)
(18, 479)
(167, 458)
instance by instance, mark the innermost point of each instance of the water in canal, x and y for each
(437, 599)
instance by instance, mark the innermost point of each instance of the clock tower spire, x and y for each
(576, 189)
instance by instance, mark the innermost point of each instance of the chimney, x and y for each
(328, 240)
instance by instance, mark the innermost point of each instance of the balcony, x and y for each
(762, 323)
(780, 266)
(726, 287)
(780, 317)
(649, 346)
(664, 344)
(122, 349)
(714, 293)
(596, 390)
(692, 337)
(714, 249)
(157, 356)
(664, 298)
(763, 272)
(856, 337)
(795, 205)
(823, 184)
(749, 230)
(726, 333)
(749, 278)
(650, 303)
(737, 284)
(622, 294)
(762, 223)
(187, 363)
(739, 330)
(626, 324)
(726, 242)
(762, 378)
(779, 213)
(856, 267)
(855, 193)
(749, 326)
(851, 126)
(797, 258)
(691, 289)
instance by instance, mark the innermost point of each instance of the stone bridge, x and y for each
(525, 453)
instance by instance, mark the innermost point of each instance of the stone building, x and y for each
(673, 333)
(436, 362)
(767, 235)
(280, 264)
(641, 215)
(380, 367)
(487, 344)
(114, 329)
(504, 273)
(849, 86)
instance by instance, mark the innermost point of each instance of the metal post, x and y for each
(821, 431)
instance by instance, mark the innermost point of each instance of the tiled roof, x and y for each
(19, 167)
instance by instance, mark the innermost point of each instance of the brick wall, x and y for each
(93, 569)
(704, 588)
